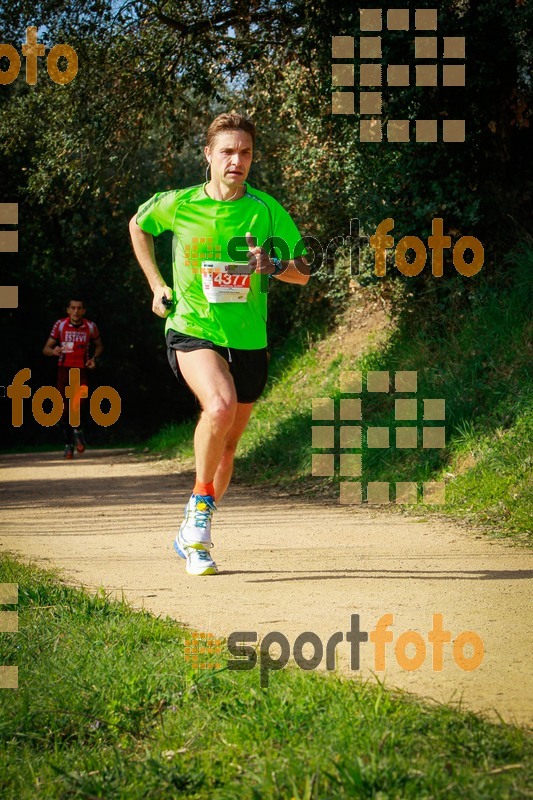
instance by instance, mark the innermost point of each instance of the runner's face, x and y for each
(76, 311)
(231, 156)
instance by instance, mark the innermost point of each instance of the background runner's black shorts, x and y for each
(249, 368)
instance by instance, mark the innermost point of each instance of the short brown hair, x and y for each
(230, 122)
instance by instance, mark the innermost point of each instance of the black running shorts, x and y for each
(249, 368)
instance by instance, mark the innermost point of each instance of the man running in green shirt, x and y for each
(216, 313)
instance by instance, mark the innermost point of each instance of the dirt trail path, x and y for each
(108, 519)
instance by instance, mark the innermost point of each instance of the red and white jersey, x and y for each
(74, 341)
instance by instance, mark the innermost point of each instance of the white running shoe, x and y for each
(193, 541)
(197, 561)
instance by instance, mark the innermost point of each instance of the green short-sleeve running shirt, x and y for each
(214, 297)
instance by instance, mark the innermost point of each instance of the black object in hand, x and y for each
(166, 302)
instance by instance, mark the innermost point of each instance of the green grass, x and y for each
(475, 352)
(173, 439)
(108, 707)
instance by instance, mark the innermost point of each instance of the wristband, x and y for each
(278, 267)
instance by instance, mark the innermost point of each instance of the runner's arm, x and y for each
(294, 271)
(98, 349)
(143, 247)
(52, 347)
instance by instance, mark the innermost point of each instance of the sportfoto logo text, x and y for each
(380, 242)
(410, 648)
(75, 392)
(33, 50)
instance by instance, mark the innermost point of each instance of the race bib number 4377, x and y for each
(224, 282)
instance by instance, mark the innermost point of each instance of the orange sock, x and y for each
(204, 488)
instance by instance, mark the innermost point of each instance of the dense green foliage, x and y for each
(79, 158)
(109, 707)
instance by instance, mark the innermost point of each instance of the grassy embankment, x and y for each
(108, 707)
(476, 354)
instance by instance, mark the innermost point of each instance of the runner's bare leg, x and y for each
(225, 466)
(222, 420)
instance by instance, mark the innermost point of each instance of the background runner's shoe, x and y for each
(198, 560)
(69, 451)
(79, 438)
